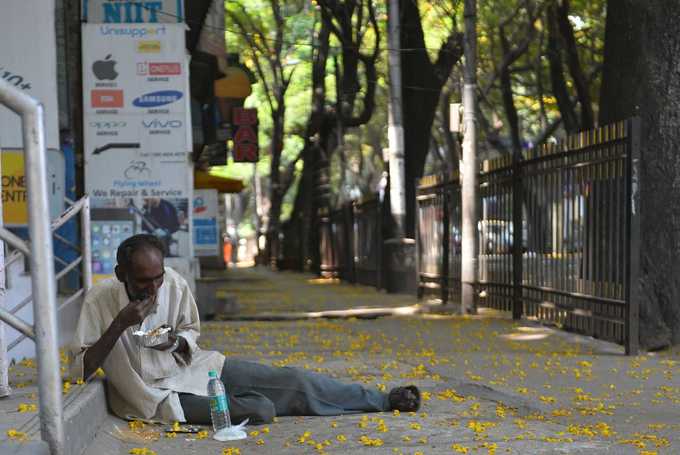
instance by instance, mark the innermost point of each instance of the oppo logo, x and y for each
(107, 125)
(159, 124)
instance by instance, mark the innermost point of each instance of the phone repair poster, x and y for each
(137, 167)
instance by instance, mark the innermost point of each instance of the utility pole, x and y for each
(399, 257)
(395, 129)
(470, 168)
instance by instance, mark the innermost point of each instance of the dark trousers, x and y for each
(261, 392)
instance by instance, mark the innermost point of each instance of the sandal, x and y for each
(406, 399)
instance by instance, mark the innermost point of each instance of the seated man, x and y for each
(169, 382)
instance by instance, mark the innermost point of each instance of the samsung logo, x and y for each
(155, 99)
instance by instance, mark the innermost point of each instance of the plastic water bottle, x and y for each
(219, 406)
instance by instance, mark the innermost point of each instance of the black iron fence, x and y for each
(438, 243)
(558, 234)
(351, 242)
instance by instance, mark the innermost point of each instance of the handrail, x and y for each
(43, 282)
(15, 241)
(69, 213)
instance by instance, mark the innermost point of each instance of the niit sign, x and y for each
(141, 11)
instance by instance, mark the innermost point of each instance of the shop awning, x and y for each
(236, 84)
(206, 181)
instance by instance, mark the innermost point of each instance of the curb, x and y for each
(84, 411)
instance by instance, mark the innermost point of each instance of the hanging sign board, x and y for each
(246, 149)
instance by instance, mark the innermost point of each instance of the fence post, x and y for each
(517, 253)
(446, 226)
(633, 218)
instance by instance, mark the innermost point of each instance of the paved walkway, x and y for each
(491, 385)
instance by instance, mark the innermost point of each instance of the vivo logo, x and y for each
(155, 99)
(159, 124)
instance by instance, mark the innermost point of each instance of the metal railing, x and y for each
(438, 238)
(41, 259)
(82, 208)
(558, 234)
(351, 242)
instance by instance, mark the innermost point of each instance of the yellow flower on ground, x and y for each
(260, 442)
(27, 407)
(341, 438)
(202, 435)
(459, 448)
(365, 440)
(16, 435)
(171, 435)
(231, 451)
(142, 451)
(136, 425)
(415, 426)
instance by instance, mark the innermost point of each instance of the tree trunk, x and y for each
(641, 78)
(422, 84)
(276, 193)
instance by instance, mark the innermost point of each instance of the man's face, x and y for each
(144, 277)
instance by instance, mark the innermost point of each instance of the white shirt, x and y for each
(144, 382)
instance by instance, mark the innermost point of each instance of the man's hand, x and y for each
(135, 312)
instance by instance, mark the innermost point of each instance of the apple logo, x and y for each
(104, 69)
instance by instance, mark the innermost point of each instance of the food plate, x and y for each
(154, 337)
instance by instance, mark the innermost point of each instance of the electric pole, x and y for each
(470, 168)
(395, 129)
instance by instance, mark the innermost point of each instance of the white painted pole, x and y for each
(395, 129)
(470, 167)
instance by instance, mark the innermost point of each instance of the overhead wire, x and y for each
(291, 43)
(288, 43)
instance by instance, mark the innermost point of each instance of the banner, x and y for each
(122, 11)
(206, 231)
(137, 142)
(28, 60)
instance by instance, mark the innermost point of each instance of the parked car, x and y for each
(495, 236)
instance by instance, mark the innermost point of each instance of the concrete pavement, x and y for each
(491, 385)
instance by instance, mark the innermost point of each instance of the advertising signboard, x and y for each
(137, 167)
(140, 11)
(14, 198)
(206, 231)
(30, 67)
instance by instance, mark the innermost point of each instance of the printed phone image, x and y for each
(109, 227)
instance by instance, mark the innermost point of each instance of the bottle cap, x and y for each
(212, 373)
